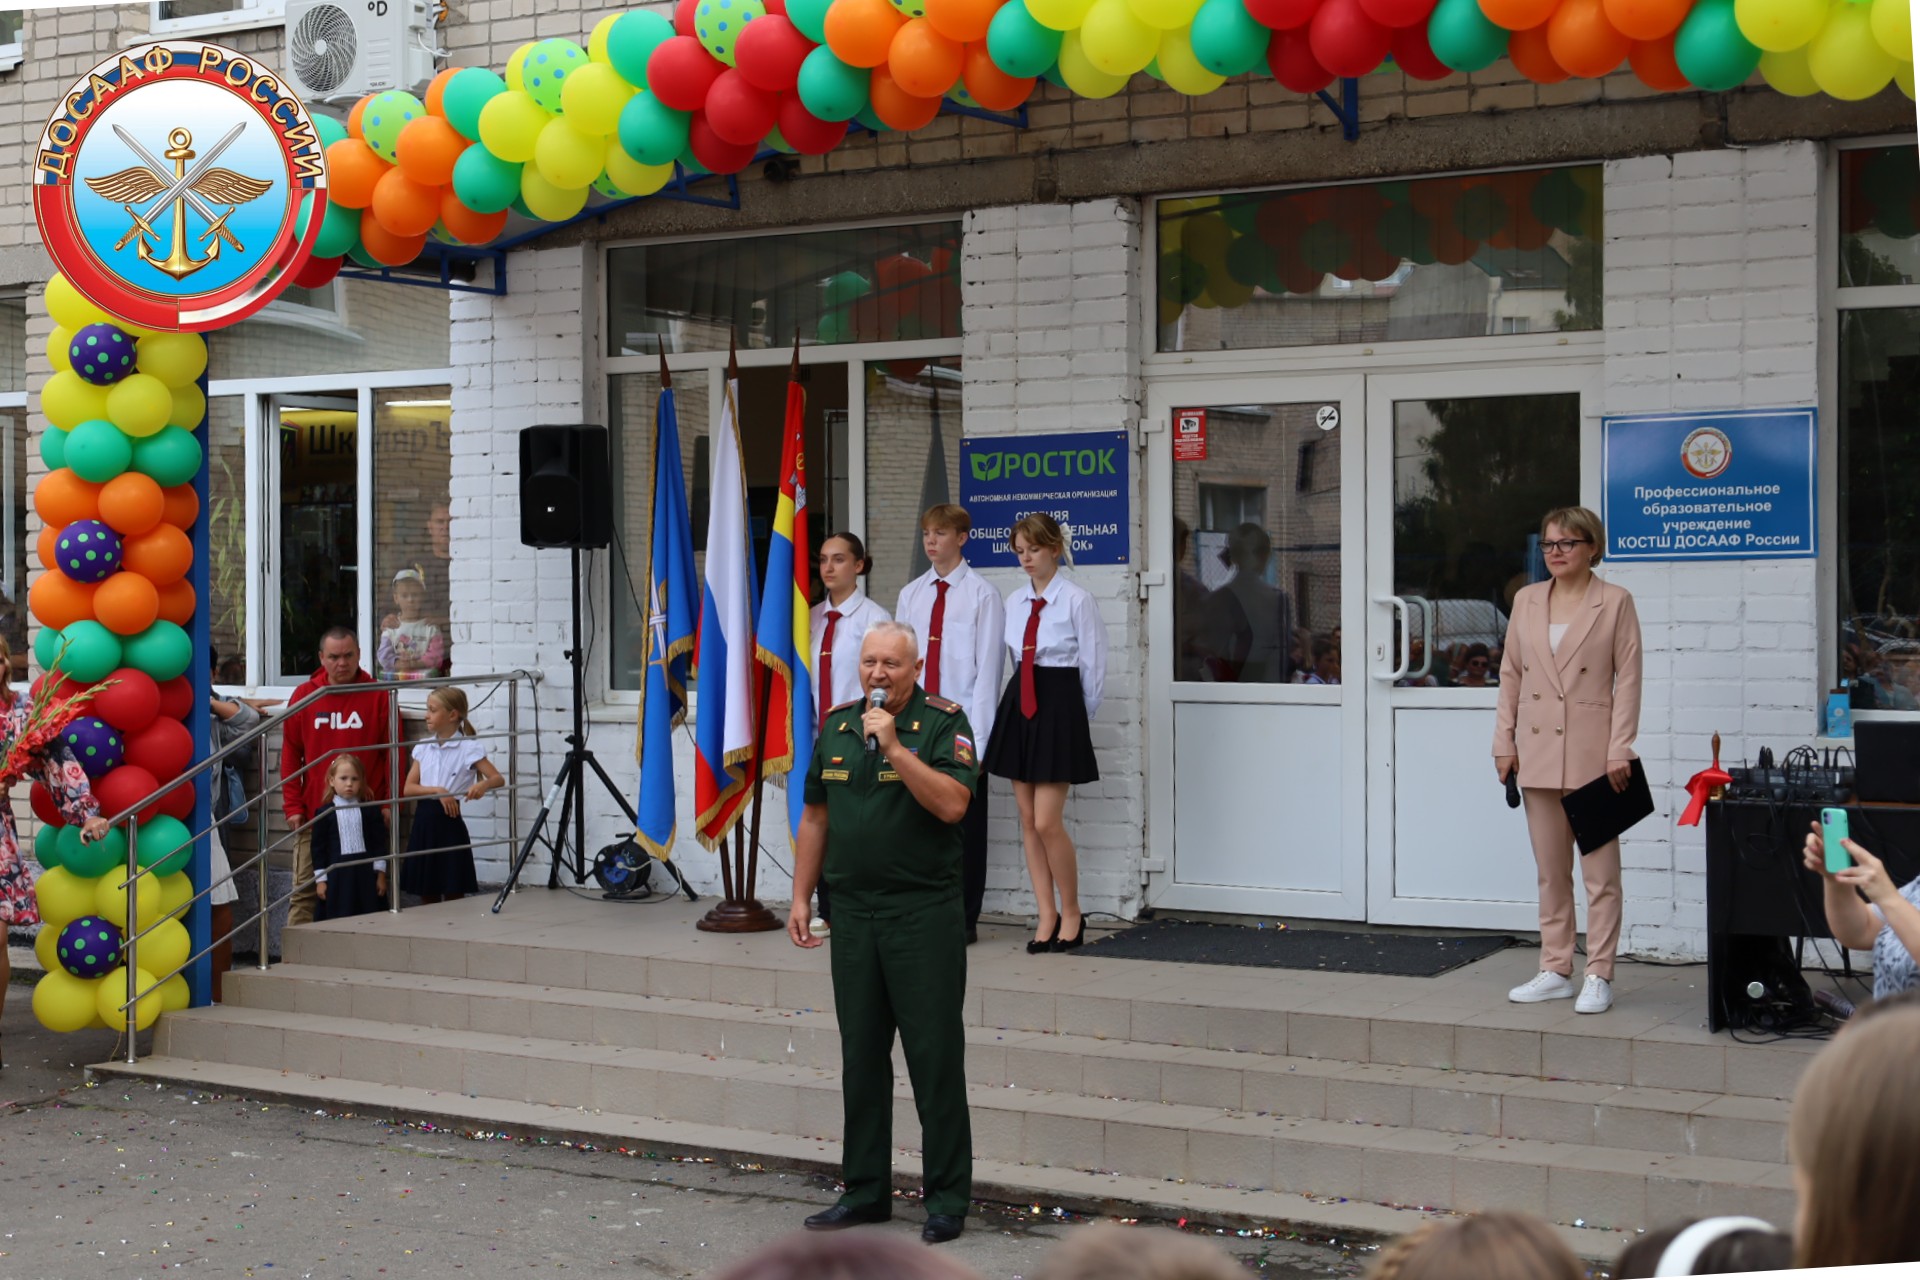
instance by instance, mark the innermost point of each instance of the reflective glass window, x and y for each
(1879, 216)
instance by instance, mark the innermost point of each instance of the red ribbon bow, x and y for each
(1701, 786)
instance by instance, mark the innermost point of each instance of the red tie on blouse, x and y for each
(933, 637)
(1029, 701)
(826, 667)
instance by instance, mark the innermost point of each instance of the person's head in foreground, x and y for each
(1708, 1247)
(846, 1255)
(1114, 1252)
(1488, 1246)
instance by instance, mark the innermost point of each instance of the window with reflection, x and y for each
(1879, 578)
(1879, 216)
(227, 537)
(913, 462)
(1455, 257)
(318, 515)
(412, 464)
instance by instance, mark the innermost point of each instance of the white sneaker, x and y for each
(819, 928)
(1596, 995)
(1546, 985)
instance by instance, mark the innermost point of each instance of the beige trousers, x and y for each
(305, 902)
(1553, 855)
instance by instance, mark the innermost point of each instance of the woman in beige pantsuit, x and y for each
(1569, 712)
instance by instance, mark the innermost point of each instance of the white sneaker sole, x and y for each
(1580, 1008)
(1537, 998)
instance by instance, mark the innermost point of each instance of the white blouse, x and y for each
(353, 838)
(1071, 634)
(449, 763)
(857, 615)
(1556, 632)
(970, 640)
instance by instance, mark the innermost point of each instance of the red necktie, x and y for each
(933, 637)
(826, 667)
(1029, 701)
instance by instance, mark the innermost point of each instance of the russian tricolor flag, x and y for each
(724, 738)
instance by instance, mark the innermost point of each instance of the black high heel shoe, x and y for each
(1073, 944)
(1040, 946)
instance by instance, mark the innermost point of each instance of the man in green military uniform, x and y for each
(883, 822)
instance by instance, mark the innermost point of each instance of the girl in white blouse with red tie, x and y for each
(1041, 736)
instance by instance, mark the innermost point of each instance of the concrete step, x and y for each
(1471, 1103)
(1217, 1146)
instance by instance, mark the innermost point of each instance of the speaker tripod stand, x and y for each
(569, 790)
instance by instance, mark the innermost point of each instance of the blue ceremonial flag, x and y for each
(672, 608)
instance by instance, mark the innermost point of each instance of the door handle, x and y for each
(1427, 612)
(1406, 639)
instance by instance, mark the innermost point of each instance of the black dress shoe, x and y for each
(1073, 943)
(942, 1227)
(842, 1216)
(1037, 947)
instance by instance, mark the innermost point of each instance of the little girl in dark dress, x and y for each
(343, 832)
(448, 766)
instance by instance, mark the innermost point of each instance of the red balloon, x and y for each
(43, 806)
(176, 698)
(317, 271)
(1395, 14)
(1283, 15)
(684, 15)
(177, 802)
(1345, 40)
(1415, 56)
(769, 53)
(808, 133)
(62, 686)
(130, 701)
(738, 112)
(680, 72)
(714, 152)
(164, 748)
(1290, 59)
(123, 788)
(1653, 61)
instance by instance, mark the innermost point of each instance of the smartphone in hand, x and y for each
(1833, 830)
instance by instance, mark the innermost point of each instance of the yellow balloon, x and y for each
(166, 949)
(111, 993)
(1165, 14)
(597, 41)
(1845, 59)
(63, 897)
(69, 309)
(1903, 76)
(1170, 310)
(110, 899)
(1061, 15)
(139, 404)
(546, 201)
(58, 354)
(176, 892)
(69, 400)
(1182, 71)
(592, 97)
(1777, 26)
(1892, 23)
(1081, 75)
(510, 125)
(189, 408)
(1207, 238)
(63, 1002)
(566, 157)
(1115, 40)
(175, 995)
(1228, 292)
(175, 358)
(1788, 73)
(514, 74)
(46, 948)
(630, 175)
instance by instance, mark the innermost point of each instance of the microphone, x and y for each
(875, 700)
(1513, 789)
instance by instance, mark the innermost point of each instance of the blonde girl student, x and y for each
(343, 832)
(448, 766)
(1041, 736)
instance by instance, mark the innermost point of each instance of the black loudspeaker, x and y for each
(566, 487)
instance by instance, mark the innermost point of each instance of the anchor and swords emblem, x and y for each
(147, 189)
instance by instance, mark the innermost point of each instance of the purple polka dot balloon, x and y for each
(87, 551)
(102, 354)
(89, 947)
(96, 744)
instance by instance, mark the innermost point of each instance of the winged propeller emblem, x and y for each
(147, 189)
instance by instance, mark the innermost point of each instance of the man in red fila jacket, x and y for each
(355, 722)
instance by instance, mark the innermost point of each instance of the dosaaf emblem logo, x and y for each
(179, 185)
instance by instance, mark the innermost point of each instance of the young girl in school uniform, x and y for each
(448, 766)
(840, 624)
(1041, 739)
(343, 832)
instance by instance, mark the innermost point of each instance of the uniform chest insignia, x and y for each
(837, 760)
(914, 727)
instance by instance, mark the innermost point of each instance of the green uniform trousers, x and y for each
(905, 973)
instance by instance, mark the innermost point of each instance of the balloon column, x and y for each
(113, 607)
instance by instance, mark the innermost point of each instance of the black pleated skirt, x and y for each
(1056, 745)
(438, 874)
(352, 891)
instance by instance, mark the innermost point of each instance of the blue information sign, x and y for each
(1077, 477)
(1736, 485)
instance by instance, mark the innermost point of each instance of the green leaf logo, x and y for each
(986, 466)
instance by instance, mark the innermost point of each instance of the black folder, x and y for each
(1597, 813)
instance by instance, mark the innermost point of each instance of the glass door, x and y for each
(316, 532)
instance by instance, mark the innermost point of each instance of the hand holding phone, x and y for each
(1833, 830)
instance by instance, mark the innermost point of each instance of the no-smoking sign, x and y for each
(1189, 435)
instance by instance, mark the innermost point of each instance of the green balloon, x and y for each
(53, 448)
(1559, 202)
(831, 89)
(871, 122)
(834, 327)
(519, 206)
(385, 116)
(690, 164)
(1226, 40)
(1710, 49)
(46, 647)
(467, 91)
(1463, 38)
(810, 16)
(92, 652)
(484, 182)
(328, 129)
(1404, 231)
(650, 131)
(1240, 214)
(1324, 246)
(339, 232)
(357, 255)
(1053, 77)
(633, 38)
(163, 844)
(46, 847)
(1480, 213)
(1181, 278)
(96, 859)
(170, 455)
(98, 451)
(163, 651)
(1251, 261)
(847, 288)
(546, 68)
(1017, 43)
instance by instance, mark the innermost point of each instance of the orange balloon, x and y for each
(177, 602)
(62, 497)
(58, 601)
(132, 504)
(1518, 15)
(161, 555)
(182, 506)
(1532, 56)
(126, 604)
(403, 206)
(1646, 19)
(47, 545)
(436, 91)
(1653, 61)
(923, 62)
(991, 87)
(962, 21)
(860, 32)
(353, 117)
(1583, 41)
(428, 148)
(897, 108)
(353, 170)
(386, 248)
(467, 226)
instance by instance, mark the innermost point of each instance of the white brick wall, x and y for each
(1712, 303)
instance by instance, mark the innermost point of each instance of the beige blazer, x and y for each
(1566, 714)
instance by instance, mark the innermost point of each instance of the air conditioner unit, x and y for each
(340, 49)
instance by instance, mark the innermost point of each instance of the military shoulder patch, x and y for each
(941, 704)
(963, 748)
(848, 706)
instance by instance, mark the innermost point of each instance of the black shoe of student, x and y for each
(942, 1227)
(973, 935)
(842, 1216)
(1035, 948)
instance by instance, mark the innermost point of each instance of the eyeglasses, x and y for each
(1563, 546)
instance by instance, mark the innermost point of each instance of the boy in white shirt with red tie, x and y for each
(960, 618)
